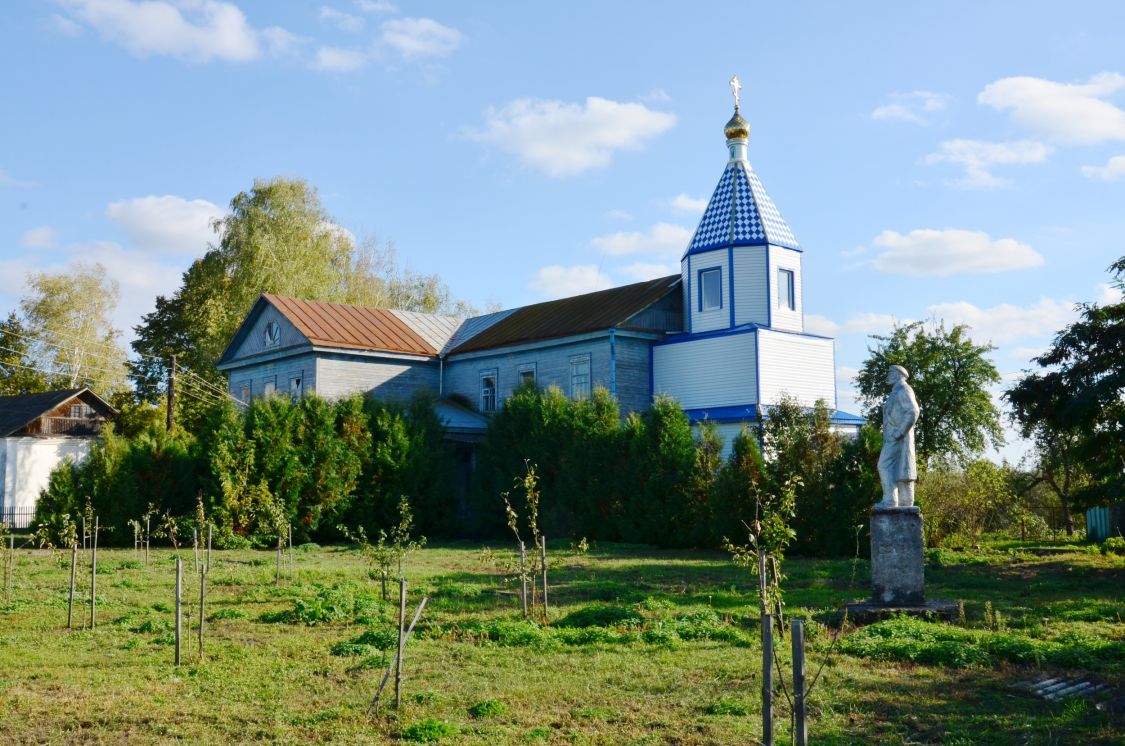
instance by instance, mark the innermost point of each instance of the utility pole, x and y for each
(171, 392)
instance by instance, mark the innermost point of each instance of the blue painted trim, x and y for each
(699, 278)
(800, 334)
(730, 282)
(681, 338)
(758, 366)
(769, 290)
(726, 244)
(749, 413)
(613, 362)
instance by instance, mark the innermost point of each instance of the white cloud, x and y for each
(557, 281)
(65, 26)
(684, 203)
(854, 251)
(914, 107)
(619, 215)
(338, 60)
(1074, 113)
(859, 323)
(376, 6)
(280, 42)
(1111, 171)
(662, 238)
(656, 96)
(1109, 294)
(42, 237)
(640, 271)
(167, 224)
(1006, 322)
(7, 180)
(978, 158)
(934, 253)
(564, 139)
(421, 37)
(197, 31)
(341, 20)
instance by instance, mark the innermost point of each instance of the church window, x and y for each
(580, 376)
(711, 289)
(244, 392)
(786, 290)
(526, 374)
(295, 385)
(488, 391)
(269, 386)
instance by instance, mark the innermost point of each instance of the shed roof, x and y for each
(17, 412)
(351, 327)
(579, 314)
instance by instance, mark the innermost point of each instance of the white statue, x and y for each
(897, 467)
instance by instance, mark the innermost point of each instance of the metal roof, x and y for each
(351, 327)
(578, 314)
(437, 330)
(17, 412)
(740, 213)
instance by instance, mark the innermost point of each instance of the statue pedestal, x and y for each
(898, 575)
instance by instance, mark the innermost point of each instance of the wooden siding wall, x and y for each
(256, 374)
(552, 368)
(388, 379)
(783, 318)
(705, 321)
(254, 341)
(802, 367)
(709, 372)
(750, 297)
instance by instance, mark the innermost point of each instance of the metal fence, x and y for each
(17, 518)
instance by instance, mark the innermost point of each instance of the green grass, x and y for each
(644, 646)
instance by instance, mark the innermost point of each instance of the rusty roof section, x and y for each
(351, 327)
(578, 314)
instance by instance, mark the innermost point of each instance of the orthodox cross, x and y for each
(735, 88)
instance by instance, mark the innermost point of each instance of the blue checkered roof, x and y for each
(740, 213)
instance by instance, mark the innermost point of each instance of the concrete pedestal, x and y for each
(898, 575)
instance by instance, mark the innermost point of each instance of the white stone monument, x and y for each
(898, 581)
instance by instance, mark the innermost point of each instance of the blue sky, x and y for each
(957, 160)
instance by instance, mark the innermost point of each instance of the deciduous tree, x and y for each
(950, 375)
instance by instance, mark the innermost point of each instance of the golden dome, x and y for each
(737, 128)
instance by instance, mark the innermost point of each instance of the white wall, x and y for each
(750, 301)
(800, 366)
(705, 321)
(27, 464)
(709, 372)
(783, 318)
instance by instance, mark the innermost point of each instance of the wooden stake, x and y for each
(208, 545)
(801, 735)
(401, 642)
(523, 579)
(277, 579)
(195, 548)
(543, 559)
(83, 533)
(94, 574)
(291, 572)
(73, 571)
(179, 603)
(148, 536)
(767, 679)
(394, 663)
(202, 604)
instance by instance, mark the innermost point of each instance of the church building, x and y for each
(725, 338)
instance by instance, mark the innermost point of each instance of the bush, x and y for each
(600, 615)
(487, 709)
(428, 730)
(1113, 545)
(329, 604)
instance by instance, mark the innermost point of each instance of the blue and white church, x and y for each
(725, 338)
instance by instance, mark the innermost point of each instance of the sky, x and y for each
(962, 161)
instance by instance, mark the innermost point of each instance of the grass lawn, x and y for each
(645, 647)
